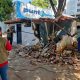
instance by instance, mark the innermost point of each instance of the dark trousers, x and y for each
(10, 39)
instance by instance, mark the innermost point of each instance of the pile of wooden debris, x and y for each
(46, 54)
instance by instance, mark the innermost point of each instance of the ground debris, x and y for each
(45, 54)
(31, 62)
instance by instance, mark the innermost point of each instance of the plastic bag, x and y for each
(8, 46)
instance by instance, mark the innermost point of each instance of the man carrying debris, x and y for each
(4, 47)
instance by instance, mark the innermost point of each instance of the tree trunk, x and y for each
(64, 4)
(53, 7)
(61, 6)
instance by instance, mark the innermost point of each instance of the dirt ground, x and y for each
(28, 68)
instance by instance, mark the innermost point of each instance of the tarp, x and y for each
(23, 10)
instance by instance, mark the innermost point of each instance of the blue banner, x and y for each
(29, 11)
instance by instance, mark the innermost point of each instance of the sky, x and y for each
(23, 0)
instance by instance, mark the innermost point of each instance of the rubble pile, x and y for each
(46, 54)
(35, 51)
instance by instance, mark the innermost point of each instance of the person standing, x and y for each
(4, 48)
(78, 37)
(10, 35)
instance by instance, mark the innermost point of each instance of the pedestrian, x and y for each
(78, 38)
(4, 48)
(10, 35)
(78, 44)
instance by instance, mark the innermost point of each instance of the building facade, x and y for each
(73, 7)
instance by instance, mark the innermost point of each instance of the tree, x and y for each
(47, 3)
(6, 8)
(42, 3)
(60, 9)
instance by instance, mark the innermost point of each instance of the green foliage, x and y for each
(6, 8)
(42, 3)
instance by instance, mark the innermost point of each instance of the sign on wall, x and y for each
(29, 11)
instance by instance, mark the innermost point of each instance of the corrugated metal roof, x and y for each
(62, 18)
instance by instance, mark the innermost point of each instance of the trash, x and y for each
(37, 78)
(22, 54)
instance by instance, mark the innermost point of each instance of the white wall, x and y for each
(3, 26)
(27, 38)
(71, 7)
